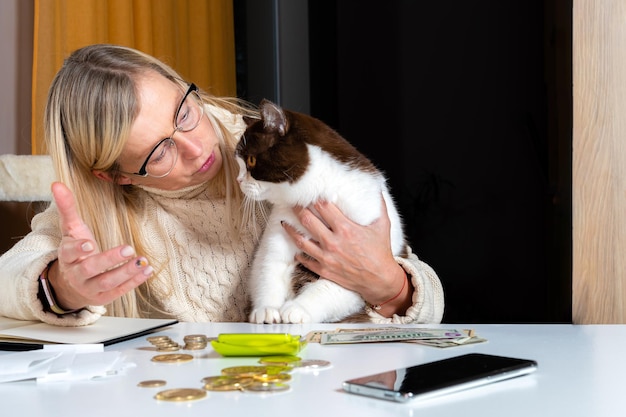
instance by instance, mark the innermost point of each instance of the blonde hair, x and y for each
(91, 106)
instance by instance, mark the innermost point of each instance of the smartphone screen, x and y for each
(441, 377)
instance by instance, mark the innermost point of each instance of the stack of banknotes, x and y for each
(441, 338)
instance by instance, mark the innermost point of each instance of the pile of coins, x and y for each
(271, 375)
(166, 344)
(249, 378)
(163, 343)
(195, 342)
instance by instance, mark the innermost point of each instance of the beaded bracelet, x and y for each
(49, 293)
(379, 306)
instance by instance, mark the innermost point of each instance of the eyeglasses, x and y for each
(163, 156)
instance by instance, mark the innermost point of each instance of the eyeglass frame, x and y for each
(142, 171)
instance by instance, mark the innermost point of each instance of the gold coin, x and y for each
(165, 345)
(245, 370)
(181, 394)
(151, 383)
(281, 377)
(210, 379)
(172, 358)
(277, 369)
(194, 337)
(168, 348)
(267, 387)
(194, 346)
(314, 364)
(226, 383)
(162, 341)
(279, 359)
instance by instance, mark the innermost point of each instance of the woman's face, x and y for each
(199, 157)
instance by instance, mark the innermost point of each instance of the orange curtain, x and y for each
(195, 37)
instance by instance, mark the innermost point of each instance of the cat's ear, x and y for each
(274, 118)
(249, 121)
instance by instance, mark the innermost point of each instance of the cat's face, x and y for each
(270, 153)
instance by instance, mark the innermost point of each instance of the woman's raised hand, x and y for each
(83, 274)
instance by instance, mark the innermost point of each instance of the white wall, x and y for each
(16, 46)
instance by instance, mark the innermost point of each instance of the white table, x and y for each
(581, 373)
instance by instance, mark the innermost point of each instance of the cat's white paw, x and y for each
(292, 312)
(265, 315)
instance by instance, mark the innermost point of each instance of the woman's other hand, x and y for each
(356, 257)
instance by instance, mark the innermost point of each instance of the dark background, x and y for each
(467, 108)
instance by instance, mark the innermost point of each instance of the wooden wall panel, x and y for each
(599, 161)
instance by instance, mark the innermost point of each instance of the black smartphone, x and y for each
(440, 377)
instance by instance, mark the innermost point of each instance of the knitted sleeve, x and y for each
(428, 300)
(20, 268)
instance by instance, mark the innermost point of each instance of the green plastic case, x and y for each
(257, 344)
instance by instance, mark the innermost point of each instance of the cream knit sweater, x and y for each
(206, 265)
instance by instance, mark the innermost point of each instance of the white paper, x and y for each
(57, 363)
(26, 365)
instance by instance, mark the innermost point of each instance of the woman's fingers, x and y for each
(82, 274)
(70, 222)
(100, 278)
(105, 285)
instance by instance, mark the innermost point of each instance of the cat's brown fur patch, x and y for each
(285, 138)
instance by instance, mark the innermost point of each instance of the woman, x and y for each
(152, 226)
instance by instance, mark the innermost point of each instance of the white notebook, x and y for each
(28, 335)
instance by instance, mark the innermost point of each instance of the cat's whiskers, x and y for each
(250, 209)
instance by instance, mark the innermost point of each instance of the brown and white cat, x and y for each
(291, 159)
